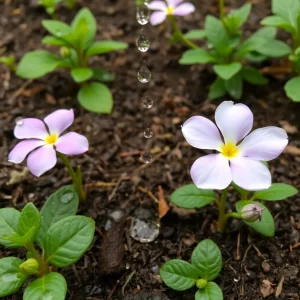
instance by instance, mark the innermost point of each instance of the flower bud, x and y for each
(29, 267)
(64, 51)
(251, 213)
(201, 284)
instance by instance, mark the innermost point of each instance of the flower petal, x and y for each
(234, 120)
(157, 17)
(250, 174)
(173, 3)
(20, 151)
(202, 133)
(264, 143)
(211, 172)
(41, 160)
(72, 144)
(31, 128)
(184, 9)
(157, 5)
(59, 120)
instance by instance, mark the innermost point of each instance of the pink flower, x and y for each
(41, 142)
(240, 155)
(172, 7)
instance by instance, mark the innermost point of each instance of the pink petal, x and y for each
(184, 9)
(157, 5)
(72, 144)
(31, 129)
(250, 174)
(173, 3)
(157, 17)
(59, 120)
(41, 160)
(20, 151)
(264, 143)
(211, 172)
(202, 133)
(234, 120)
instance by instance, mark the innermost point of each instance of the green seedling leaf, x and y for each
(102, 47)
(211, 292)
(36, 64)
(81, 74)
(196, 56)
(266, 33)
(11, 278)
(96, 97)
(54, 41)
(68, 239)
(196, 34)
(266, 226)
(288, 10)
(179, 274)
(57, 28)
(234, 86)
(227, 71)
(253, 76)
(52, 286)
(217, 89)
(277, 191)
(9, 221)
(242, 13)
(207, 258)
(189, 196)
(103, 75)
(63, 203)
(292, 89)
(278, 22)
(274, 48)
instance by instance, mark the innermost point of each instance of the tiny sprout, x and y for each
(201, 284)
(29, 267)
(251, 213)
(65, 51)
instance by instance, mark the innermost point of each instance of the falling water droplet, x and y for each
(146, 157)
(144, 74)
(147, 102)
(148, 134)
(142, 14)
(142, 42)
(19, 121)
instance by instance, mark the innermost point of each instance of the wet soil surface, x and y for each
(116, 266)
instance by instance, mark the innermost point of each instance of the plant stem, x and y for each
(244, 195)
(43, 265)
(232, 215)
(222, 220)
(77, 180)
(180, 35)
(222, 10)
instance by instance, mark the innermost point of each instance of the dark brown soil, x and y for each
(115, 143)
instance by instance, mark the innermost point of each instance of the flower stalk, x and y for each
(222, 207)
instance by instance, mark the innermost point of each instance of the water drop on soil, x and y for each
(142, 14)
(144, 74)
(148, 134)
(146, 157)
(147, 102)
(142, 42)
(19, 121)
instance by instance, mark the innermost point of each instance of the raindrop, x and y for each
(19, 121)
(66, 198)
(144, 74)
(142, 42)
(146, 157)
(142, 14)
(147, 102)
(148, 134)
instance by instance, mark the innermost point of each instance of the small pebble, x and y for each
(266, 266)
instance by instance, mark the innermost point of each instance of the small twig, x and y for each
(238, 257)
(149, 194)
(131, 153)
(295, 246)
(18, 92)
(100, 184)
(122, 177)
(128, 278)
(246, 252)
(258, 252)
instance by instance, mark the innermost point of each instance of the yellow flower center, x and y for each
(51, 139)
(229, 150)
(170, 10)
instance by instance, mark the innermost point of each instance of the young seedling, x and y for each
(77, 46)
(50, 5)
(62, 237)
(206, 265)
(287, 16)
(226, 48)
(9, 61)
(238, 161)
(43, 142)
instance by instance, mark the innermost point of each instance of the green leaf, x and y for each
(81, 74)
(253, 76)
(274, 48)
(96, 97)
(102, 47)
(52, 286)
(266, 33)
(36, 64)
(68, 239)
(63, 203)
(207, 258)
(11, 278)
(211, 292)
(287, 9)
(242, 13)
(196, 56)
(227, 71)
(217, 89)
(57, 28)
(54, 41)
(292, 89)
(189, 196)
(278, 22)
(266, 226)
(103, 75)
(179, 274)
(9, 220)
(234, 86)
(196, 34)
(277, 191)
